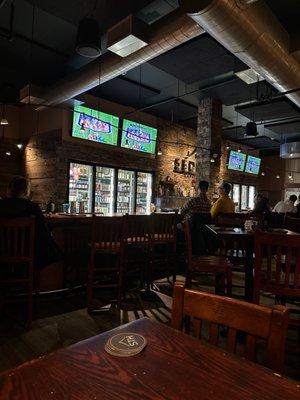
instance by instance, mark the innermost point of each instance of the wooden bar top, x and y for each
(172, 366)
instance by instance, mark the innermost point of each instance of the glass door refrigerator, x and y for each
(104, 190)
(125, 192)
(81, 188)
(143, 192)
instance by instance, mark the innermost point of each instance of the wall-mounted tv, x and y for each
(95, 125)
(237, 161)
(139, 137)
(253, 165)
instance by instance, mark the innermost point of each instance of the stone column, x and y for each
(209, 143)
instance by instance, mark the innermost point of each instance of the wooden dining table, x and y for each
(247, 238)
(172, 366)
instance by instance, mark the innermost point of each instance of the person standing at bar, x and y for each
(224, 204)
(18, 205)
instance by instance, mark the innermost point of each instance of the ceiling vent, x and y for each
(127, 36)
(290, 150)
(249, 76)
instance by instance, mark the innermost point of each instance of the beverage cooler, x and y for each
(106, 190)
(81, 188)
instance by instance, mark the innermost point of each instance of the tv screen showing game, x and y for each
(139, 137)
(95, 125)
(253, 165)
(237, 161)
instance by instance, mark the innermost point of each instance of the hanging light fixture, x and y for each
(82, 128)
(263, 173)
(19, 146)
(277, 176)
(227, 147)
(291, 176)
(126, 143)
(8, 153)
(3, 120)
(159, 152)
(239, 150)
(212, 160)
(88, 38)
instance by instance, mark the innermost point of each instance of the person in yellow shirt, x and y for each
(224, 204)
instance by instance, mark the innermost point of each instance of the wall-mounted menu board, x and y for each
(95, 125)
(253, 165)
(139, 137)
(237, 161)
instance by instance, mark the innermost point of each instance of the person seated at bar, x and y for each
(18, 205)
(262, 206)
(224, 204)
(287, 206)
(197, 204)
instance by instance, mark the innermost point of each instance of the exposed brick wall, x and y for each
(169, 136)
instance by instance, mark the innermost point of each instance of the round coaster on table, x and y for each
(125, 344)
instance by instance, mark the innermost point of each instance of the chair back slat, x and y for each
(197, 328)
(214, 334)
(137, 229)
(17, 239)
(164, 227)
(256, 321)
(277, 264)
(107, 233)
(250, 347)
(231, 340)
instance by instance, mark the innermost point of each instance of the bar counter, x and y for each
(72, 232)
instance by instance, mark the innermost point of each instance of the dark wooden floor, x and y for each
(61, 322)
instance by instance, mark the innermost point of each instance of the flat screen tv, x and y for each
(95, 125)
(237, 161)
(139, 137)
(252, 165)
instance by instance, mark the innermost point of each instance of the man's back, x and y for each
(285, 206)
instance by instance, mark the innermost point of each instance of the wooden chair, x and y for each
(137, 231)
(162, 246)
(213, 265)
(233, 220)
(17, 260)
(256, 321)
(277, 268)
(106, 267)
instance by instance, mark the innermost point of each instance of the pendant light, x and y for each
(3, 120)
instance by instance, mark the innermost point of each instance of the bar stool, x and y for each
(137, 230)
(213, 265)
(162, 246)
(16, 260)
(106, 267)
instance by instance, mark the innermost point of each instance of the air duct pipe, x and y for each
(166, 34)
(253, 34)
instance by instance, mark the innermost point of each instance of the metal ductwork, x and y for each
(253, 34)
(164, 35)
